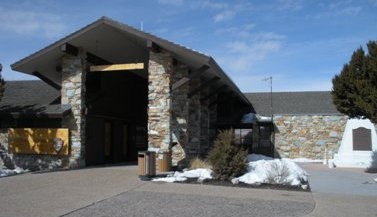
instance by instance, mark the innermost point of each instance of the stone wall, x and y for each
(179, 114)
(204, 123)
(212, 110)
(73, 94)
(308, 136)
(193, 148)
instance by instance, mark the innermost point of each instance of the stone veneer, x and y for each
(204, 123)
(194, 121)
(160, 69)
(73, 94)
(308, 136)
(176, 123)
(179, 116)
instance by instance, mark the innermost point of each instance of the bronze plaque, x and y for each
(362, 139)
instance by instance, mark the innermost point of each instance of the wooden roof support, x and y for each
(47, 80)
(153, 46)
(116, 67)
(74, 51)
(221, 89)
(197, 73)
(205, 84)
(69, 49)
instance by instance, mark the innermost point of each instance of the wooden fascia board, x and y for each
(116, 67)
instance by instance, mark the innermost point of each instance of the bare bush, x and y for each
(197, 163)
(278, 173)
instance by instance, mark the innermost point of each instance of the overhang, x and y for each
(117, 43)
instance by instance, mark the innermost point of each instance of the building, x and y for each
(116, 90)
(307, 125)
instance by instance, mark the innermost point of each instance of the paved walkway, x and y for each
(116, 191)
(342, 191)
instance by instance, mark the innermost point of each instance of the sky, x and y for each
(302, 44)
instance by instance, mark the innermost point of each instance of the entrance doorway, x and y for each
(116, 117)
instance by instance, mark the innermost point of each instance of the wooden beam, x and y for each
(205, 84)
(116, 67)
(47, 80)
(69, 49)
(221, 89)
(74, 51)
(197, 73)
(153, 46)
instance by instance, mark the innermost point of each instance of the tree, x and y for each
(355, 88)
(2, 83)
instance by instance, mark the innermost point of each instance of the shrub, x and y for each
(278, 174)
(228, 160)
(197, 163)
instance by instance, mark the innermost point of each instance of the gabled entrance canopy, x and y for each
(118, 43)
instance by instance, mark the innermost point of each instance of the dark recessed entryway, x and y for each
(116, 116)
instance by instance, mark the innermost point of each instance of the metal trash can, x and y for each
(164, 162)
(147, 164)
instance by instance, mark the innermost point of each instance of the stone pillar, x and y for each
(194, 121)
(73, 95)
(159, 100)
(179, 119)
(204, 123)
(212, 122)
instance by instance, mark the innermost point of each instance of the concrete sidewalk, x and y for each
(342, 191)
(57, 193)
(117, 191)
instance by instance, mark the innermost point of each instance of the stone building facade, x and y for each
(174, 109)
(306, 124)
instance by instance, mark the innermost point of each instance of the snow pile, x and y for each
(263, 169)
(8, 172)
(201, 174)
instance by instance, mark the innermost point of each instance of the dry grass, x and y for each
(199, 163)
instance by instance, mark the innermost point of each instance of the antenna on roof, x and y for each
(141, 26)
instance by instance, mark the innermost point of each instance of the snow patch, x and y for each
(263, 169)
(8, 172)
(201, 174)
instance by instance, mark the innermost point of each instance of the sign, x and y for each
(51, 141)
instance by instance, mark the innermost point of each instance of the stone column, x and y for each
(73, 95)
(194, 121)
(204, 123)
(159, 100)
(179, 119)
(212, 122)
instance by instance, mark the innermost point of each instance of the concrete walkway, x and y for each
(116, 191)
(342, 191)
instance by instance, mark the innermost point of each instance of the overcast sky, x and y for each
(301, 43)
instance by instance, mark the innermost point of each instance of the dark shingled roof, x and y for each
(29, 98)
(293, 103)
